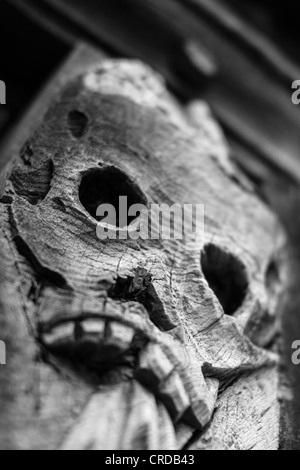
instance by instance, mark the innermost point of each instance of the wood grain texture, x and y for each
(252, 427)
(168, 328)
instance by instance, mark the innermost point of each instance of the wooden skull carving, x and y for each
(134, 344)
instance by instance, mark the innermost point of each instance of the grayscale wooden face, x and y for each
(113, 312)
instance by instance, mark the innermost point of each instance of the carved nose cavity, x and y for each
(106, 186)
(226, 276)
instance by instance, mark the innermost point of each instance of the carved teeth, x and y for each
(93, 326)
(157, 372)
(119, 334)
(92, 329)
(154, 366)
(173, 394)
(60, 333)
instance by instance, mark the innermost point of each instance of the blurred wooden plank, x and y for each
(137, 30)
(255, 104)
(246, 35)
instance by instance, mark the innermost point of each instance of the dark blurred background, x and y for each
(240, 56)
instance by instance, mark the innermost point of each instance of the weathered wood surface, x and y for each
(175, 332)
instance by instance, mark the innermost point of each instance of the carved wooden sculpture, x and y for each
(134, 344)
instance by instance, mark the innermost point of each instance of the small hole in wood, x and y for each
(106, 186)
(77, 123)
(226, 276)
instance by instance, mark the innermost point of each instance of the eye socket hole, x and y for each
(226, 276)
(77, 123)
(106, 186)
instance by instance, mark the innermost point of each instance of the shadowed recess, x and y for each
(77, 123)
(140, 289)
(106, 186)
(226, 276)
